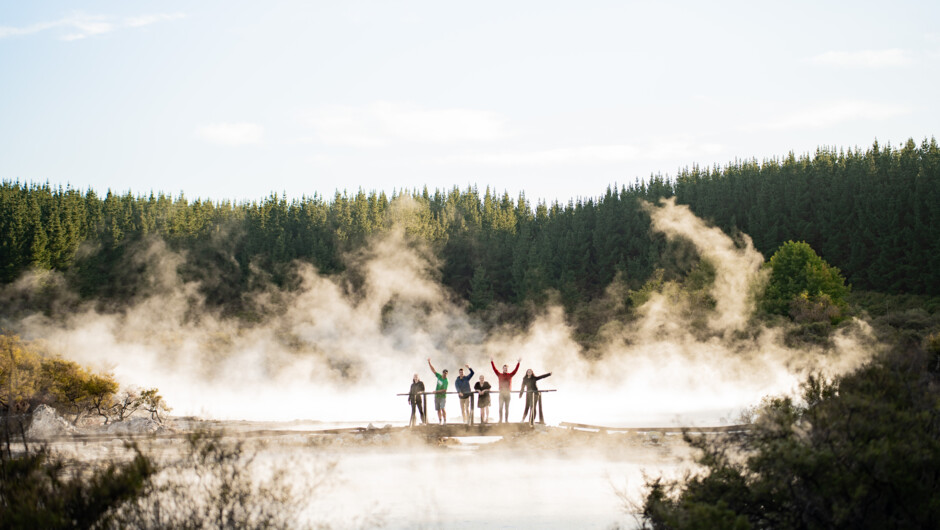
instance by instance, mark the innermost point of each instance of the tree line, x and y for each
(874, 214)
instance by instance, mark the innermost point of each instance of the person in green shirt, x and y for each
(440, 396)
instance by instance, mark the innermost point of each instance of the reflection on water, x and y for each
(469, 484)
(545, 478)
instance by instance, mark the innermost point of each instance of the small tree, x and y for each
(19, 374)
(152, 402)
(115, 407)
(803, 286)
(101, 391)
(74, 390)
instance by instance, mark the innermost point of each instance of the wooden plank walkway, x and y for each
(602, 429)
(434, 430)
(441, 431)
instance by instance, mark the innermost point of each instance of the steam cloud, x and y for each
(335, 353)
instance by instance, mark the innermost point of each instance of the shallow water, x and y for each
(550, 478)
(472, 484)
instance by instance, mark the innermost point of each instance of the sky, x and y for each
(557, 100)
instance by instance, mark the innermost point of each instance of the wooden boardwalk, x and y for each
(503, 429)
(602, 429)
(431, 431)
(442, 431)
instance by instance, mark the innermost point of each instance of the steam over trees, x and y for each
(874, 214)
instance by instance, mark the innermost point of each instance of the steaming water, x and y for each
(546, 479)
(475, 488)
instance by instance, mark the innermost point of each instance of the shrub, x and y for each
(798, 272)
(19, 374)
(213, 485)
(29, 377)
(38, 490)
(859, 452)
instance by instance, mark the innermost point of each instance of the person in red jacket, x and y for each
(505, 388)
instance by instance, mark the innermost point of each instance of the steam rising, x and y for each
(339, 348)
(737, 269)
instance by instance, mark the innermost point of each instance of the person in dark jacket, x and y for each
(532, 394)
(416, 399)
(483, 387)
(462, 385)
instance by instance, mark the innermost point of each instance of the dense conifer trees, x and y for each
(874, 214)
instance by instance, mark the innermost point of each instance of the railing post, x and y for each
(541, 414)
(471, 407)
(424, 413)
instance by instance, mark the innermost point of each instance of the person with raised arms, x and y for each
(440, 394)
(462, 385)
(505, 388)
(532, 394)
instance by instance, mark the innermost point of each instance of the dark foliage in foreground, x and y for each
(860, 452)
(39, 490)
(213, 484)
(210, 484)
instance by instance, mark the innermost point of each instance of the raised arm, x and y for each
(543, 376)
(471, 371)
(512, 373)
(494, 366)
(432, 366)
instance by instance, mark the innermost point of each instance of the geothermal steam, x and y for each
(328, 351)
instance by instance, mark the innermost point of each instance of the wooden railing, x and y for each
(529, 414)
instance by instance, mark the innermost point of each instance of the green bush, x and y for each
(803, 286)
(860, 452)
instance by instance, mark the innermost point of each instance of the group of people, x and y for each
(482, 388)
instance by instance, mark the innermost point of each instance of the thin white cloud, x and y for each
(241, 133)
(87, 26)
(383, 123)
(835, 113)
(10, 31)
(79, 25)
(864, 58)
